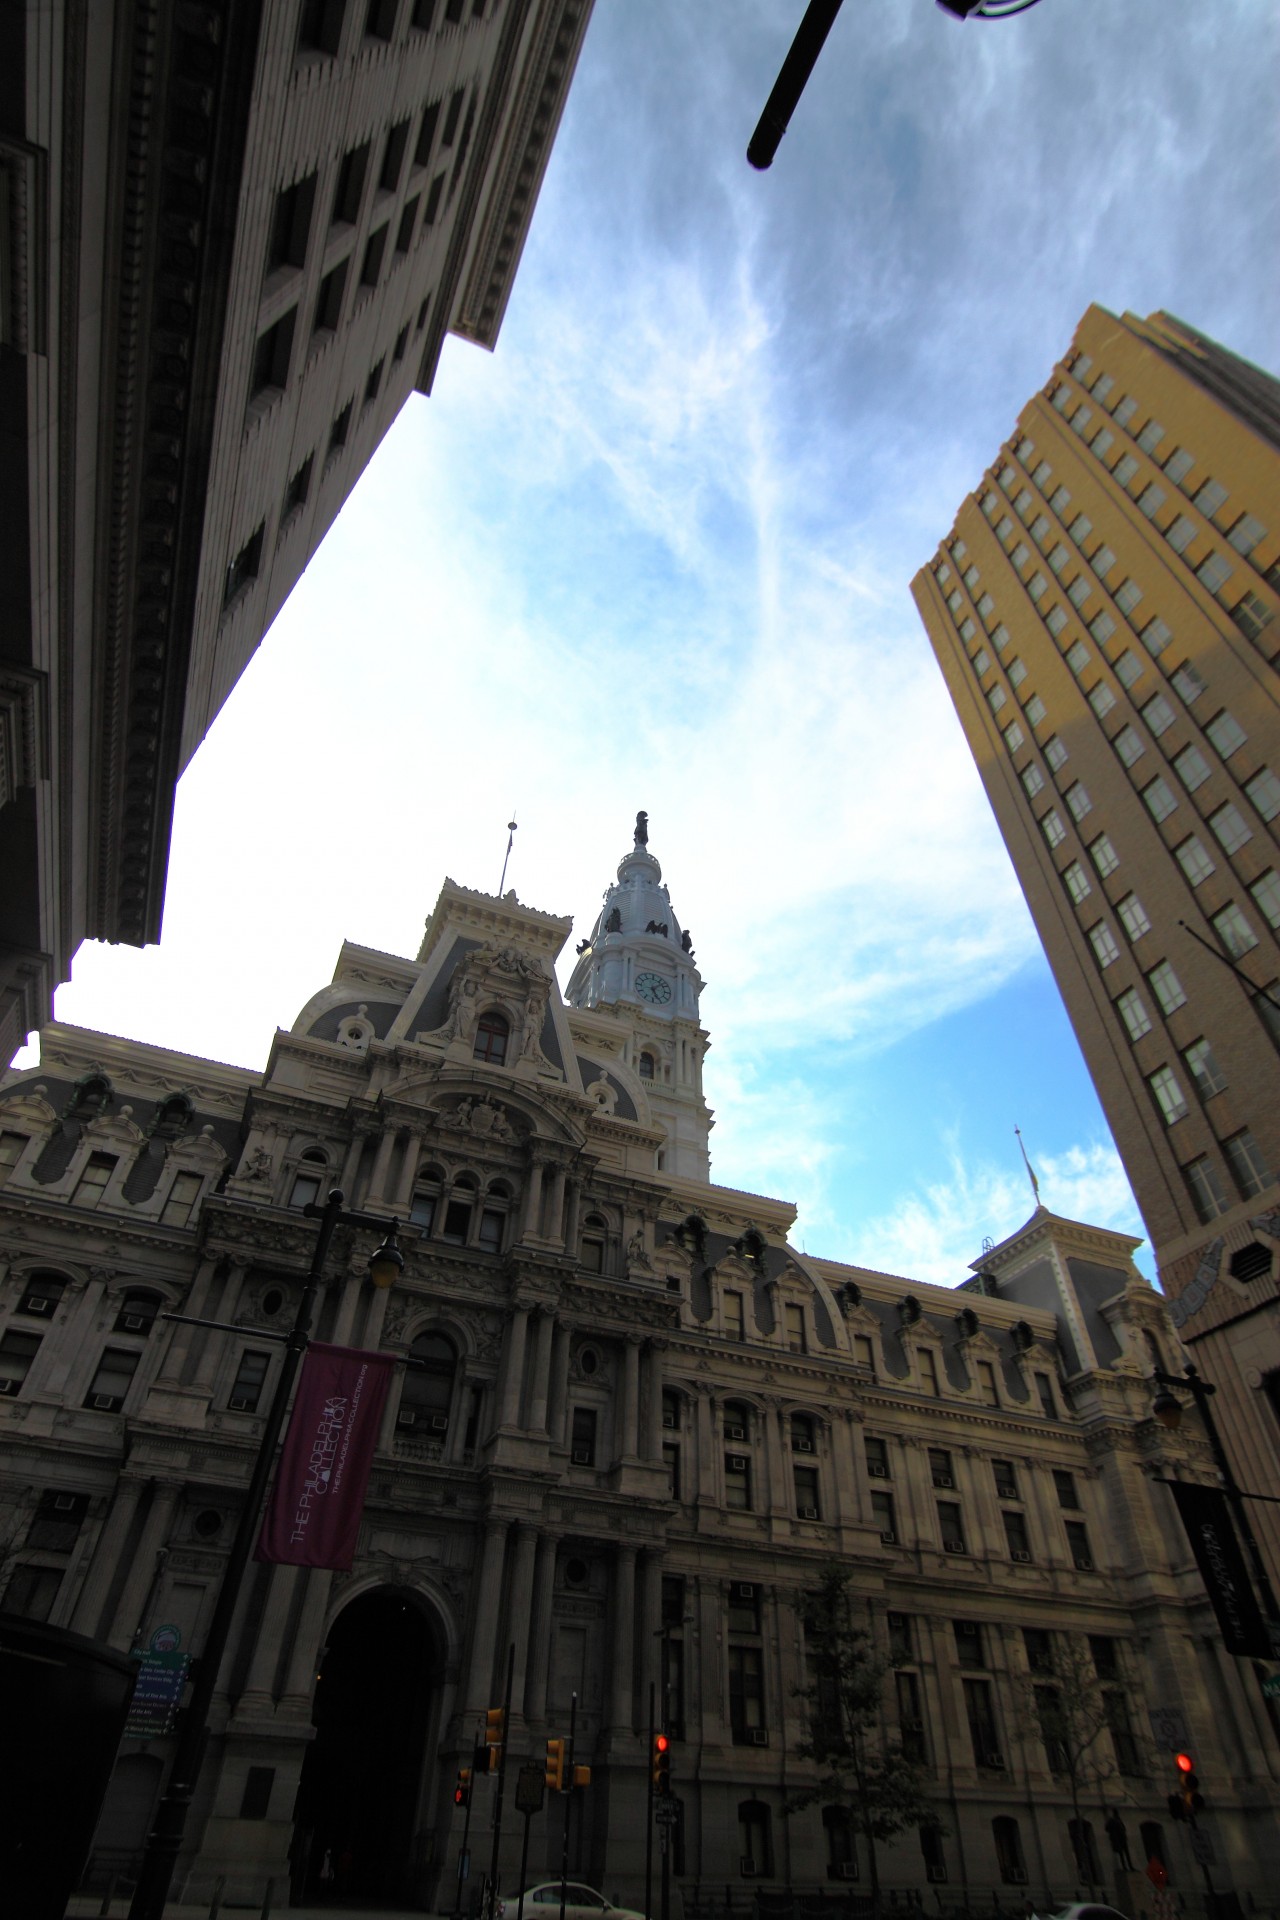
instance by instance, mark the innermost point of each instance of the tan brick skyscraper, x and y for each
(1104, 612)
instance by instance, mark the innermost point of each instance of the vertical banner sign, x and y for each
(313, 1515)
(1207, 1518)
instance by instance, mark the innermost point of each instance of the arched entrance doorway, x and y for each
(361, 1782)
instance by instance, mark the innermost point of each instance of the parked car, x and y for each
(1085, 1910)
(581, 1903)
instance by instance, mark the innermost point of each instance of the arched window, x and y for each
(458, 1211)
(90, 1096)
(1009, 1858)
(754, 1844)
(646, 1066)
(493, 1217)
(802, 1433)
(425, 1203)
(493, 1030)
(594, 1231)
(737, 1421)
(737, 1460)
(428, 1388)
(138, 1313)
(309, 1179)
(42, 1293)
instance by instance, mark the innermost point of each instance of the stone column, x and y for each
(776, 1451)
(488, 1592)
(300, 1674)
(381, 1167)
(706, 1450)
(558, 1386)
(106, 1558)
(155, 1534)
(344, 1318)
(626, 1448)
(651, 1447)
(531, 1212)
(519, 1611)
(540, 1375)
(575, 1210)
(555, 1223)
(513, 1368)
(842, 1467)
(215, 1343)
(180, 1338)
(651, 1631)
(538, 1671)
(259, 1686)
(351, 1169)
(624, 1634)
(408, 1174)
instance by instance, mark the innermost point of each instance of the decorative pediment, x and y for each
(483, 1119)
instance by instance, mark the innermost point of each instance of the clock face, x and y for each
(652, 987)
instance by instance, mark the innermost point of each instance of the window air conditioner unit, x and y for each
(889, 1537)
(582, 1456)
(742, 1590)
(9, 1387)
(877, 1469)
(747, 1867)
(1006, 1492)
(239, 1404)
(1017, 1876)
(408, 1418)
(439, 1423)
(759, 1736)
(995, 1760)
(943, 1480)
(913, 1726)
(132, 1323)
(846, 1870)
(1083, 1563)
(104, 1402)
(735, 1433)
(736, 1462)
(808, 1513)
(936, 1874)
(799, 1445)
(668, 1420)
(41, 1304)
(1019, 1553)
(64, 1502)
(953, 1546)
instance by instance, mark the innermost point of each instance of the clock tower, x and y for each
(637, 963)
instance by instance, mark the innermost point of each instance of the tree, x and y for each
(870, 1778)
(1067, 1708)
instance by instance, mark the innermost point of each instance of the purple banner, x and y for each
(313, 1515)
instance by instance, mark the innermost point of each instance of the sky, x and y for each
(654, 552)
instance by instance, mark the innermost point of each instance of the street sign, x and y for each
(666, 1812)
(530, 1782)
(165, 1640)
(1169, 1728)
(156, 1695)
(1202, 1848)
(1271, 1687)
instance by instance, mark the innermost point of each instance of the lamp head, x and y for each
(386, 1263)
(1167, 1409)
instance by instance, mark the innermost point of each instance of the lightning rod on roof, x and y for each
(511, 836)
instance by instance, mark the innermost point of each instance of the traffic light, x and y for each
(462, 1788)
(660, 1770)
(1188, 1801)
(582, 1776)
(495, 1721)
(554, 1774)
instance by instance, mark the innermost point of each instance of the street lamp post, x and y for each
(165, 1839)
(1167, 1409)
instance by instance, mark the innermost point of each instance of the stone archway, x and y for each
(361, 1789)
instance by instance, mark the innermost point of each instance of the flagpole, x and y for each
(511, 840)
(164, 1842)
(1035, 1184)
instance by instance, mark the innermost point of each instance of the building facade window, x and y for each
(111, 1380)
(493, 1031)
(250, 1379)
(93, 1181)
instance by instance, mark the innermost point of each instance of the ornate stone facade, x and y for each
(642, 1423)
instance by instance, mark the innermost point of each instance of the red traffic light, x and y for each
(660, 1743)
(1184, 1763)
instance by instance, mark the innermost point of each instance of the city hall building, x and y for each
(642, 1425)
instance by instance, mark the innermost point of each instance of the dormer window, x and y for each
(797, 1340)
(493, 1030)
(646, 1066)
(307, 1181)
